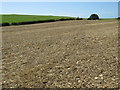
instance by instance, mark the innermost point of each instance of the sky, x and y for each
(60, 0)
(74, 9)
(119, 9)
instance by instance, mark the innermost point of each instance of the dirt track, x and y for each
(61, 54)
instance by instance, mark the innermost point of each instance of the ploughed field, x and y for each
(62, 54)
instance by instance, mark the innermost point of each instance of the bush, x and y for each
(71, 18)
(37, 21)
(57, 20)
(93, 17)
(14, 24)
(79, 18)
(40, 21)
(49, 20)
(5, 24)
(64, 19)
(89, 19)
(43, 21)
(27, 22)
(33, 22)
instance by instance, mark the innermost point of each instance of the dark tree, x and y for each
(79, 18)
(93, 17)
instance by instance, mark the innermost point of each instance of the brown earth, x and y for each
(64, 54)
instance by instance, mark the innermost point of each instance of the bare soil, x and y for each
(64, 54)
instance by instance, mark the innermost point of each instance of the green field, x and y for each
(108, 19)
(12, 18)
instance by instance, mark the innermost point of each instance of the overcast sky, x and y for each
(81, 9)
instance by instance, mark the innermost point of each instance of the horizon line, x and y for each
(49, 15)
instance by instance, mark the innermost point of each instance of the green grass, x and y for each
(13, 18)
(21, 18)
(108, 19)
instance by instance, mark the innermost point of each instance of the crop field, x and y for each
(21, 18)
(64, 54)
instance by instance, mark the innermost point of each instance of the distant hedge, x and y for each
(5, 24)
(63, 19)
(79, 18)
(14, 24)
(39, 21)
(26, 22)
